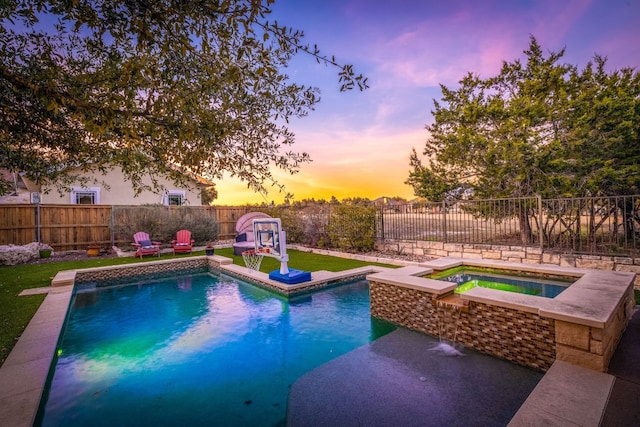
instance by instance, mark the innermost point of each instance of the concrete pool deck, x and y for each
(400, 380)
(611, 397)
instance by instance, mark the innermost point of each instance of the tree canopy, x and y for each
(540, 127)
(155, 87)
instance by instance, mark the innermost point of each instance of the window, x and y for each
(85, 196)
(174, 198)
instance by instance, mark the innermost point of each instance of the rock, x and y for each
(16, 254)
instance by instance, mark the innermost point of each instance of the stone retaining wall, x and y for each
(522, 254)
(521, 337)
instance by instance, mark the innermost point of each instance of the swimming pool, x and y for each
(468, 278)
(202, 349)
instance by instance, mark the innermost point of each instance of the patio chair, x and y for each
(144, 245)
(244, 228)
(183, 243)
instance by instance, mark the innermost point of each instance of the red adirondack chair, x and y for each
(144, 245)
(183, 243)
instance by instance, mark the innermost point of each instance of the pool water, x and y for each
(469, 278)
(206, 350)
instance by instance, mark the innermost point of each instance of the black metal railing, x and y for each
(594, 225)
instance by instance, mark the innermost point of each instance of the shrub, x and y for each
(314, 223)
(148, 218)
(306, 225)
(162, 223)
(290, 219)
(352, 228)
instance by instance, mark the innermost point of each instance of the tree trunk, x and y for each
(526, 233)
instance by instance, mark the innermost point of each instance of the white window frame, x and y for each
(172, 193)
(94, 190)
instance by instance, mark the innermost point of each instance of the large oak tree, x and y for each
(155, 87)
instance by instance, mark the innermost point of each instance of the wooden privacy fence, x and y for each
(74, 227)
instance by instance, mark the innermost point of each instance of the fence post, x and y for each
(381, 213)
(444, 222)
(540, 231)
(38, 236)
(112, 226)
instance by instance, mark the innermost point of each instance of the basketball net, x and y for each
(252, 259)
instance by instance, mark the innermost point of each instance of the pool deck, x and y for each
(400, 380)
(566, 394)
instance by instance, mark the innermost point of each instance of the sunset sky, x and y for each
(360, 142)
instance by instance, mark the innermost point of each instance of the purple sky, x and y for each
(360, 141)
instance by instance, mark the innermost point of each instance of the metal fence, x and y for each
(591, 225)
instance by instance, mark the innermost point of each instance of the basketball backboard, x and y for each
(266, 232)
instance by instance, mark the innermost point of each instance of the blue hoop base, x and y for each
(294, 276)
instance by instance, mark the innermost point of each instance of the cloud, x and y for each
(473, 37)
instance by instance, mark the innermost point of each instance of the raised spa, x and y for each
(468, 278)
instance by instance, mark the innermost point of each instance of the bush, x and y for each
(290, 219)
(314, 223)
(163, 223)
(352, 228)
(306, 226)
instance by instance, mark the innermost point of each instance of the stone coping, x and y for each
(591, 300)
(568, 395)
(446, 263)
(23, 375)
(318, 280)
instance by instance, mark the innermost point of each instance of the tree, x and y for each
(537, 128)
(604, 132)
(155, 87)
(208, 195)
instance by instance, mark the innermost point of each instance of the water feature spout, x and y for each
(448, 317)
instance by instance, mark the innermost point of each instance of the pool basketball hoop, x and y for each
(253, 258)
(271, 240)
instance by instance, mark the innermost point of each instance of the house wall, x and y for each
(120, 191)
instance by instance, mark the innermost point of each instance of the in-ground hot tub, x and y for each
(467, 278)
(581, 325)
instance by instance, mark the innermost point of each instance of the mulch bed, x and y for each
(71, 256)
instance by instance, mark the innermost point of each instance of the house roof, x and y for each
(17, 179)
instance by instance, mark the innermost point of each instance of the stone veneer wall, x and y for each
(523, 254)
(521, 337)
(593, 347)
(124, 271)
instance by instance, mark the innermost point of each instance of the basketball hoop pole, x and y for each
(284, 269)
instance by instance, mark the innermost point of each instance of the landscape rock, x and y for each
(21, 254)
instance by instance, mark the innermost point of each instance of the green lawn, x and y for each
(303, 261)
(16, 312)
